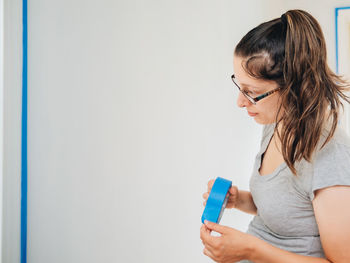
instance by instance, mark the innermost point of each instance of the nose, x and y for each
(242, 101)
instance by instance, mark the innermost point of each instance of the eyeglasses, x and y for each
(251, 99)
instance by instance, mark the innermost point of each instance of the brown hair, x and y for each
(291, 50)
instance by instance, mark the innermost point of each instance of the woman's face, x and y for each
(265, 110)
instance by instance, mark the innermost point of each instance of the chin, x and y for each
(263, 121)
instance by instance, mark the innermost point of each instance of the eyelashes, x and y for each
(251, 93)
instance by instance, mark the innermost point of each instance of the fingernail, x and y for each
(205, 222)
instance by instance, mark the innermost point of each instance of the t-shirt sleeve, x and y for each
(331, 167)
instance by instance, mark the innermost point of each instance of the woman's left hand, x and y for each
(231, 246)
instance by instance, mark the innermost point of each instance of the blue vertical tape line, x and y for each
(337, 37)
(336, 41)
(24, 138)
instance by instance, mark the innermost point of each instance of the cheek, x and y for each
(267, 113)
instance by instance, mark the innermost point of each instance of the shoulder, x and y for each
(331, 163)
(336, 149)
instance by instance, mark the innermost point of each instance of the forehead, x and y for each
(243, 77)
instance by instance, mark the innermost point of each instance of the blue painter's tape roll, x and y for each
(217, 200)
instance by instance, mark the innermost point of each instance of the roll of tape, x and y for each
(217, 200)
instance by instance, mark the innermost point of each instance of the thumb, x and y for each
(233, 190)
(215, 227)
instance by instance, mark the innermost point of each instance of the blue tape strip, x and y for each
(337, 37)
(217, 200)
(24, 139)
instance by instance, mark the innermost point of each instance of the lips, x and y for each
(251, 113)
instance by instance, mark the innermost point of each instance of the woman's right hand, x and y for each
(233, 193)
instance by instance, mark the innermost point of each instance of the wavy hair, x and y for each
(291, 51)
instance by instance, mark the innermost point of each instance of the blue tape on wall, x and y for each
(24, 139)
(337, 37)
(217, 200)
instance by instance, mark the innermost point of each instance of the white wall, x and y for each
(131, 112)
(11, 168)
(1, 115)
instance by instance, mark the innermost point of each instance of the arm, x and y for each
(246, 203)
(332, 212)
(263, 252)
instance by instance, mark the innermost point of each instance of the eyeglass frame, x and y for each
(251, 99)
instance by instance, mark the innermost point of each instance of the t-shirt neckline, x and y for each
(259, 158)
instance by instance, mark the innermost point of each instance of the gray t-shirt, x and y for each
(285, 216)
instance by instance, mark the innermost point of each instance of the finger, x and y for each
(215, 227)
(207, 239)
(207, 229)
(205, 234)
(210, 184)
(208, 253)
(233, 190)
(205, 195)
(205, 203)
(202, 233)
(209, 246)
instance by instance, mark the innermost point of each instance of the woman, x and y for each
(300, 186)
